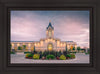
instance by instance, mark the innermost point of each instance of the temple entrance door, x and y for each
(50, 47)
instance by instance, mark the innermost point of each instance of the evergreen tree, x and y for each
(66, 48)
(78, 48)
(24, 46)
(34, 48)
(73, 48)
(19, 48)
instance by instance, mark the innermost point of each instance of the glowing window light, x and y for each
(29, 44)
(38, 44)
(50, 47)
(50, 32)
(18, 44)
(12, 44)
(64, 44)
(35, 44)
(46, 41)
(41, 42)
(23, 43)
(53, 40)
(58, 42)
(61, 44)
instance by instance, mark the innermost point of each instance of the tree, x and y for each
(34, 48)
(66, 48)
(73, 48)
(78, 48)
(24, 46)
(19, 48)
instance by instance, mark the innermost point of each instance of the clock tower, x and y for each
(50, 31)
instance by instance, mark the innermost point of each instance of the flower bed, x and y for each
(50, 56)
(29, 56)
(62, 57)
(36, 56)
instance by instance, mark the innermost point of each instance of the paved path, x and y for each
(20, 58)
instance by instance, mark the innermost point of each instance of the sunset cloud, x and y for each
(68, 25)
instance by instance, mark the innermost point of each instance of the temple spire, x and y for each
(50, 30)
(50, 25)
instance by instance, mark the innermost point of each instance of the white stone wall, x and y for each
(42, 45)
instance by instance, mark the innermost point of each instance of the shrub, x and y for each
(50, 56)
(26, 52)
(52, 53)
(45, 53)
(62, 57)
(68, 52)
(34, 52)
(12, 52)
(68, 55)
(29, 55)
(58, 54)
(40, 54)
(36, 56)
(65, 53)
(74, 52)
(72, 55)
(19, 48)
(86, 53)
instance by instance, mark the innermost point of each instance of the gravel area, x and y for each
(20, 58)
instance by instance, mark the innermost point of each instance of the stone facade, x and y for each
(49, 43)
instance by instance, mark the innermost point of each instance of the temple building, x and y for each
(49, 43)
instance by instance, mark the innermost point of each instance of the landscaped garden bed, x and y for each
(26, 52)
(46, 55)
(12, 52)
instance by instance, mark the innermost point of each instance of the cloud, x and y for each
(68, 25)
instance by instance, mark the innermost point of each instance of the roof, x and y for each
(69, 41)
(35, 41)
(50, 25)
(24, 41)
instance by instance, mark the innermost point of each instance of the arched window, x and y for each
(50, 47)
(50, 33)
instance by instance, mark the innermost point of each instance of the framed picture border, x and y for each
(5, 66)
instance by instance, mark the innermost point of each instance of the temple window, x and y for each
(50, 32)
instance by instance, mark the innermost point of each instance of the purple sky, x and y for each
(68, 25)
